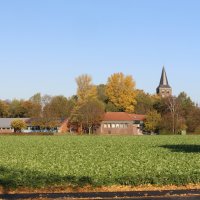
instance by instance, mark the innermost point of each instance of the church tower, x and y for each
(164, 89)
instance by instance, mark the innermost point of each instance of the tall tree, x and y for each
(56, 108)
(86, 92)
(45, 100)
(193, 119)
(85, 88)
(28, 108)
(36, 98)
(177, 120)
(101, 93)
(4, 109)
(91, 113)
(37, 105)
(121, 91)
(145, 102)
(16, 108)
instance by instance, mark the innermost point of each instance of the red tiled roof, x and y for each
(122, 116)
(138, 117)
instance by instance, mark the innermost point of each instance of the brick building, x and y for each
(122, 123)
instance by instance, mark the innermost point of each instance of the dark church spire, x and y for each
(163, 79)
(164, 88)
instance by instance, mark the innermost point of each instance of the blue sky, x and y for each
(45, 44)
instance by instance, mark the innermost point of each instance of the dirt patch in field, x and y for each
(69, 189)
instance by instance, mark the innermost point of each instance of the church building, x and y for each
(164, 89)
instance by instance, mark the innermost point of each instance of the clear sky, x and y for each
(45, 44)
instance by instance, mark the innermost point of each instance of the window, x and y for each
(125, 125)
(109, 125)
(117, 125)
(121, 126)
(105, 125)
(113, 125)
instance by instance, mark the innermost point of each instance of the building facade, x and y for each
(121, 123)
(5, 126)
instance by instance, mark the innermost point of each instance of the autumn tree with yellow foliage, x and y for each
(121, 92)
(85, 88)
(89, 109)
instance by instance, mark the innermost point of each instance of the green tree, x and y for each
(36, 98)
(110, 107)
(16, 108)
(185, 103)
(57, 108)
(101, 93)
(37, 105)
(152, 121)
(145, 102)
(18, 125)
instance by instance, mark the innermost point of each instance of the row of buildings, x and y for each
(112, 122)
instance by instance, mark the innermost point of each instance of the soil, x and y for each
(70, 189)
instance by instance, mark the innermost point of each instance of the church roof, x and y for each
(163, 80)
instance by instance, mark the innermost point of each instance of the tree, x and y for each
(193, 119)
(145, 102)
(56, 108)
(36, 98)
(37, 105)
(45, 100)
(72, 101)
(152, 121)
(101, 93)
(121, 92)
(18, 125)
(29, 109)
(16, 109)
(173, 106)
(4, 109)
(185, 103)
(161, 106)
(90, 114)
(110, 107)
(86, 90)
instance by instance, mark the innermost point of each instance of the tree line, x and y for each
(86, 108)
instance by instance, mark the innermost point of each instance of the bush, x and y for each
(18, 125)
(197, 131)
(165, 132)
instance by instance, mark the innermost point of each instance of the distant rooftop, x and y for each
(6, 122)
(122, 116)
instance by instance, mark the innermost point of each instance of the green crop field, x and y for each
(41, 161)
